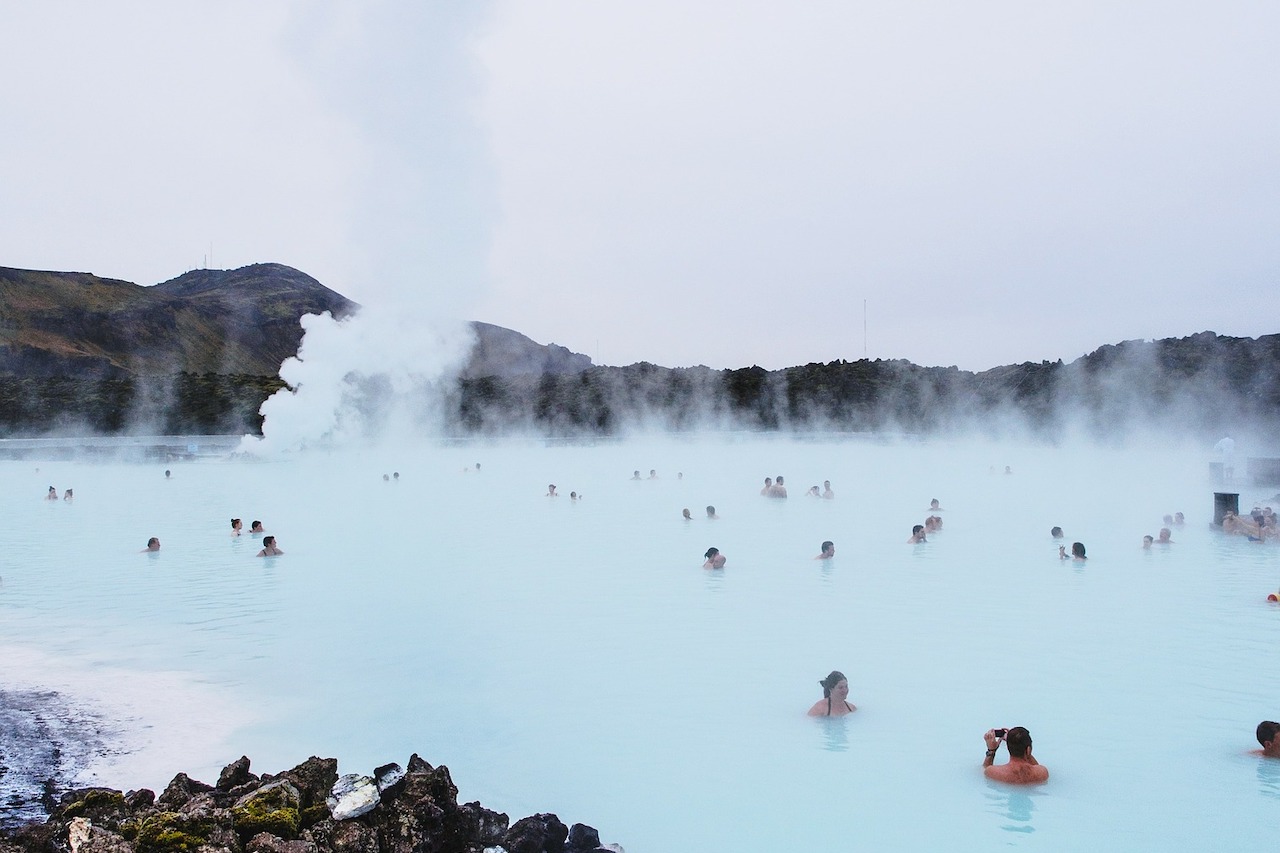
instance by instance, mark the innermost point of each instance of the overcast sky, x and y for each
(719, 183)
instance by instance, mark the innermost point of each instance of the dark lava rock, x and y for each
(540, 833)
(582, 839)
(235, 774)
(181, 789)
(313, 778)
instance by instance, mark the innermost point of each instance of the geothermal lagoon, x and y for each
(573, 656)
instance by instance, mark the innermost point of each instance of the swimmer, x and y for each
(1008, 470)
(917, 535)
(68, 496)
(835, 697)
(153, 544)
(679, 475)
(396, 476)
(779, 490)
(828, 551)
(653, 474)
(551, 491)
(167, 473)
(256, 528)
(635, 475)
(933, 505)
(768, 486)
(826, 490)
(1077, 552)
(1179, 519)
(715, 560)
(1269, 738)
(933, 524)
(52, 494)
(813, 492)
(269, 548)
(1055, 532)
(1168, 521)
(711, 513)
(1022, 769)
(687, 515)
(386, 478)
(1146, 541)
(573, 496)
(1165, 535)
(236, 524)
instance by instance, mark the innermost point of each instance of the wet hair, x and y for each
(1018, 740)
(829, 683)
(1077, 549)
(152, 541)
(1055, 532)
(1147, 538)
(916, 529)
(933, 502)
(256, 523)
(234, 522)
(711, 552)
(686, 513)
(1267, 731)
(711, 510)
(268, 541)
(828, 545)
(778, 479)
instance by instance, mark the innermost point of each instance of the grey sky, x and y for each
(721, 183)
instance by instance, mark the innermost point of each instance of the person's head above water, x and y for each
(1147, 540)
(255, 527)
(829, 683)
(1269, 738)
(828, 549)
(153, 544)
(715, 560)
(687, 514)
(933, 504)
(1055, 532)
(1077, 550)
(236, 524)
(711, 512)
(1018, 741)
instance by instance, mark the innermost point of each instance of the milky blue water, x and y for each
(574, 657)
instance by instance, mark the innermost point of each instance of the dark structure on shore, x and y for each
(199, 354)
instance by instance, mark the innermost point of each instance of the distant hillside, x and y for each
(241, 321)
(199, 354)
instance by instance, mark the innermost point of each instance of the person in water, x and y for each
(711, 513)
(167, 473)
(835, 697)
(1147, 540)
(68, 496)
(1055, 532)
(153, 544)
(52, 494)
(826, 490)
(236, 524)
(653, 473)
(768, 486)
(933, 505)
(256, 528)
(828, 551)
(687, 515)
(1165, 536)
(269, 548)
(1179, 519)
(635, 475)
(551, 491)
(779, 489)
(1269, 738)
(715, 560)
(813, 492)
(1022, 769)
(917, 535)
(1077, 552)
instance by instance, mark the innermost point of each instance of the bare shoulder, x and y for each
(819, 708)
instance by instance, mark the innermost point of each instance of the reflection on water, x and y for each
(1269, 777)
(835, 737)
(1014, 804)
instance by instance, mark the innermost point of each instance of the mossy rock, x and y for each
(93, 801)
(170, 832)
(273, 808)
(314, 814)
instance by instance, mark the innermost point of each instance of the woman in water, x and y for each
(835, 696)
(715, 560)
(257, 529)
(236, 524)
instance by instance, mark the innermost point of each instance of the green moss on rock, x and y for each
(170, 832)
(93, 801)
(314, 814)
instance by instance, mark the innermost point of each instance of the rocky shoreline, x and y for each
(308, 809)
